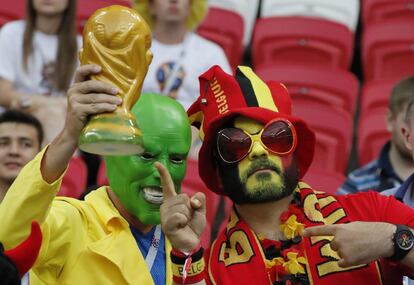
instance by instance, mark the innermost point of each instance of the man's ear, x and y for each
(389, 120)
(407, 136)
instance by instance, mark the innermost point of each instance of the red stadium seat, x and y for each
(325, 85)
(324, 180)
(225, 28)
(301, 40)
(376, 94)
(87, 7)
(374, 11)
(11, 10)
(246, 8)
(388, 50)
(75, 180)
(343, 12)
(372, 135)
(333, 129)
(101, 178)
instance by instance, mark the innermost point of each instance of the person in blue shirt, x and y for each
(405, 192)
(394, 163)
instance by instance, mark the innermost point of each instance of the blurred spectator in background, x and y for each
(21, 136)
(405, 192)
(180, 55)
(395, 162)
(37, 60)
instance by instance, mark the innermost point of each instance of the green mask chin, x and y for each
(167, 139)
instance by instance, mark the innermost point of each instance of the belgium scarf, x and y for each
(238, 256)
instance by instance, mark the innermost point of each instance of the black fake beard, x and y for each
(237, 192)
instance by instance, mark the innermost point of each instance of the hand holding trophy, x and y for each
(117, 39)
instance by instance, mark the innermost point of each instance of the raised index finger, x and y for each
(168, 189)
(328, 230)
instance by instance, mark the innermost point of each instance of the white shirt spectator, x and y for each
(186, 61)
(39, 75)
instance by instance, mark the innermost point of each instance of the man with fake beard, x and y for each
(112, 237)
(280, 231)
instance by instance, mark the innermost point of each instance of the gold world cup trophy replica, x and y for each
(118, 39)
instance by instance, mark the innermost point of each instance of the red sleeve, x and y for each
(374, 207)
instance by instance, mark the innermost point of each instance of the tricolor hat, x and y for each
(224, 97)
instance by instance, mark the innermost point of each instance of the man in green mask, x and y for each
(112, 237)
(167, 139)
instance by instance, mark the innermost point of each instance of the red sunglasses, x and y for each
(278, 137)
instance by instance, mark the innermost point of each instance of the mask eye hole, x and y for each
(147, 156)
(177, 159)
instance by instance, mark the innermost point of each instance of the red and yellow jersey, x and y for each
(237, 254)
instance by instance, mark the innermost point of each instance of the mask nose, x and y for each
(164, 162)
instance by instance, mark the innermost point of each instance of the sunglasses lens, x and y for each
(233, 144)
(278, 137)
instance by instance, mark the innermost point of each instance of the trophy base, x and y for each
(109, 135)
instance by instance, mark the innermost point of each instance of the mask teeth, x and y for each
(153, 195)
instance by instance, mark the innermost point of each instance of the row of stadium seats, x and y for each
(346, 12)
(387, 47)
(280, 37)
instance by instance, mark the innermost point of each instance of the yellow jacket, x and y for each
(84, 242)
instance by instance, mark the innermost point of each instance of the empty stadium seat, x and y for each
(388, 50)
(11, 10)
(301, 40)
(319, 84)
(374, 11)
(75, 179)
(333, 130)
(229, 35)
(246, 8)
(343, 12)
(324, 180)
(86, 8)
(372, 135)
(375, 95)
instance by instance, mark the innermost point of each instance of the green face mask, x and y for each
(167, 139)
